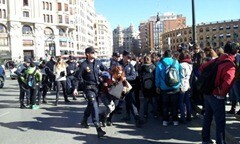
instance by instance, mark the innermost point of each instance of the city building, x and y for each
(41, 27)
(103, 37)
(215, 34)
(150, 31)
(126, 39)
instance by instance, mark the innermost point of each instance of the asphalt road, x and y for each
(61, 124)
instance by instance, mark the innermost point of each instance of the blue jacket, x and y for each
(160, 74)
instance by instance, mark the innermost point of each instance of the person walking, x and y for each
(215, 102)
(89, 75)
(60, 72)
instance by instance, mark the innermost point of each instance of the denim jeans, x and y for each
(63, 83)
(234, 93)
(184, 102)
(170, 101)
(214, 107)
(107, 101)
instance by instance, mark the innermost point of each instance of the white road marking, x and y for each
(4, 114)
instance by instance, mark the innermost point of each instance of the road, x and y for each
(61, 124)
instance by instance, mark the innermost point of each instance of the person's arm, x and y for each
(132, 76)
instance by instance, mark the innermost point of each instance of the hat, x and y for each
(89, 50)
(230, 48)
(116, 53)
(126, 53)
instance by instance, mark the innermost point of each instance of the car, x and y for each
(2, 76)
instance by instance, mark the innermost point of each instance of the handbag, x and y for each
(127, 88)
(116, 90)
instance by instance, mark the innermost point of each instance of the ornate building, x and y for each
(216, 34)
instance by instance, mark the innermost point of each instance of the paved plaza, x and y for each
(61, 124)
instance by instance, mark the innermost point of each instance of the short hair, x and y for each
(167, 53)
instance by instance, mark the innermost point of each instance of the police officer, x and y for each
(22, 86)
(71, 80)
(130, 73)
(89, 74)
(115, 59)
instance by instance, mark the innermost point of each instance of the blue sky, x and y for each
(124, 12)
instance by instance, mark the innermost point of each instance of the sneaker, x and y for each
(44, 101)
(84, 124)
(67, 101)
(74, 98)
(34, 107)
(175, 123)
(165, 123)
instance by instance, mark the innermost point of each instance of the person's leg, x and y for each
(165, 107)
(232, 96)
(57, 91)
(188, 106)
(182, 107)
(64, 91)
(218, 106)
(207, 119)
(174, 107)
(145, 110)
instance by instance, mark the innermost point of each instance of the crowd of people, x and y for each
(167, 83)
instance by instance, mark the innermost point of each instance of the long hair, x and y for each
(115, 73)
(60, 63)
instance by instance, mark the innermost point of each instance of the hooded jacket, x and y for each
(29, 71)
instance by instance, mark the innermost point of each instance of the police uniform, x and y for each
(89, 75)
(71, 80)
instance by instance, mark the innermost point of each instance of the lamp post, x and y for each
(193, 23)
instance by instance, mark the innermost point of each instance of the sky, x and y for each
(125, 12)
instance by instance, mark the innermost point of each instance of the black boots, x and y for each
(233, 106)
(84, 123)
(103, 120)
(100, 132)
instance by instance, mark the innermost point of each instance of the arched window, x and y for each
(3, 29)
(61, 32)
(201, 30)
(207, 29)
(26, 29)
(48, 31)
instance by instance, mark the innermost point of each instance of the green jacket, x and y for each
(30, 70)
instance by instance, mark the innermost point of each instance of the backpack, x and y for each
(171, 74)
(205, 83)
(31, 80)
(148, 78)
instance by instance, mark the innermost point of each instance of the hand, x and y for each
(75, 92)
(158, 90)
(105, 84)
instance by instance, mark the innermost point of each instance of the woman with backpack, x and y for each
(60, 72)
(147, 75)
(184, 95)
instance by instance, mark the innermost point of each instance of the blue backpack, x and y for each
(171, 74)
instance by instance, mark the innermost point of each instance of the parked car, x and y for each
(2, 76)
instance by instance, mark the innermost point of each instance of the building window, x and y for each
(26, 30)
(3, 29)
(3, 41)
(4, 13)
(61, 32)
(47, 5)
(207, 29)
(214, 29)
(235, 26)
(190, 31)
(66, 19)
(66, 7)
(201, 30)
(59, 7)
(60, 19)
(228, 27)
(0, 13)
(48, 19)
(44, 17)
(220, 28)
(50, 6)
(43, 5)
(25, 2)
(48, 31)
(25, 14)
(51, 18)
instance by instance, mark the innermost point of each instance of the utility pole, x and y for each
(193, 23)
